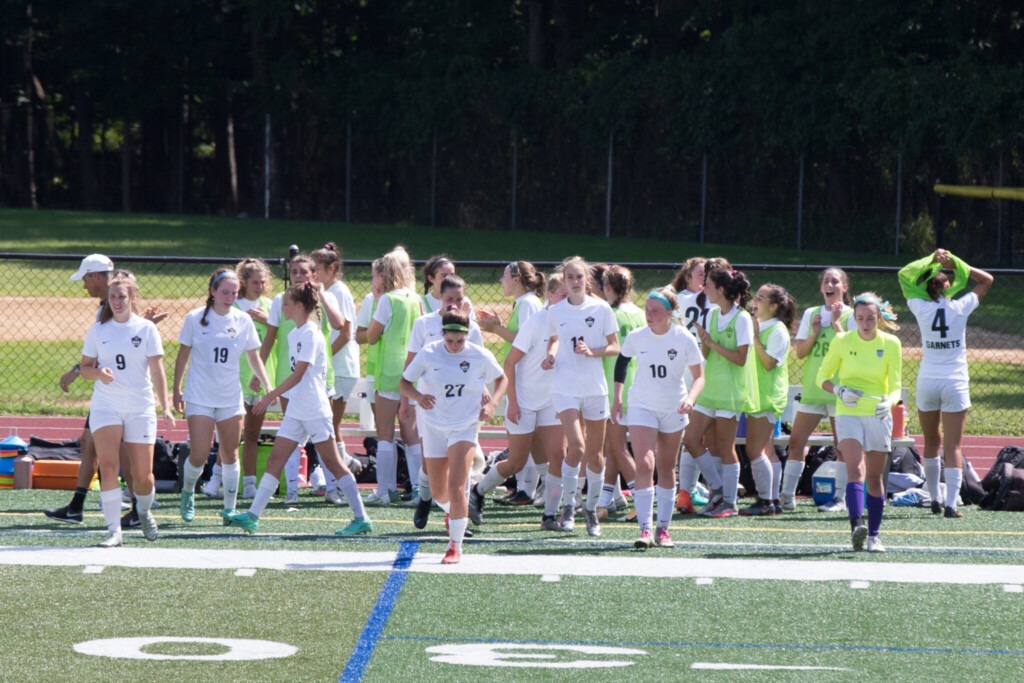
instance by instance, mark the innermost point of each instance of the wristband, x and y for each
(77, 369)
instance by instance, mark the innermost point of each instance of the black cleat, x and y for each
(131, 520)
(476, 506)
(422, 513)
(936, 507)
(950, 513)
(65, 514)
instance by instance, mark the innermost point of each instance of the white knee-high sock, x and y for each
(268, 485)
(569, 477)
(386, 463)
(666, 501)
(776, 479)
(191, 476)
(932, 470)
(229, 476)
(841, 480)
(687, 471)
(526, 480)
(491, 479)
(761, 468)
(414, 460)
(424, 482)
(595, 482)
(553, 497)
(954, 477)
(730, 482)
(707, 466)
(291, 470)
(607, 495)
(791, 474)
(144, 503)
(350, 489)
(644, 501)
(111, 503)
(457, 531)
(718, 465)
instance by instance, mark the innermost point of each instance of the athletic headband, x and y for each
(454, 327)
(513, 268)
(226, 273)
(438, 263)
(660, 298)
(882, 305)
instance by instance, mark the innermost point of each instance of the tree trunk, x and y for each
(537, 41)
(86, 162)
(126, 167)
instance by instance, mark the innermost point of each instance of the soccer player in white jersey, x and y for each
(530, 418)
(452, 376)
(213, 339)
(943, 382)
(123, 355)
(660, 401)
(581, 331)
(307, 415)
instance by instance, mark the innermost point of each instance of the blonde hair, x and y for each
(887, 318)
(124, 278)
(395, 270)
(246, 268)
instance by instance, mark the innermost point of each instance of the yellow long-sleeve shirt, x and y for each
(873, 367)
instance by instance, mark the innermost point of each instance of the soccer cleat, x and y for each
(188, 505)
(226, 516)
(476, 506)
(519, 498)
(394, 497)
(422, 513)
(601, 512)
(760, 508)
(375, 501)
(130, 520)
(778, 506)
(292, 497)
(113, 540)
(451, 556)
(952, 513)
(359, 525)
(860, 533)
(834, 505)
(593, 526)
(788, 502)
(713, 502)
(212, 488)
(724, 510)
(875, 545)
(699, 495)
(65, 514)
(335, 497)
(684, 503)
(411, 494)
(246, 522)
(550, 523)
(646, 540)
(538, 495)
(663, 539)
(936, 507)
(629, 517)
(620, 503)
(568, 518)
(149, 529)
(248, 492)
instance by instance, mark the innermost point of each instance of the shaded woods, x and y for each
(163, 106)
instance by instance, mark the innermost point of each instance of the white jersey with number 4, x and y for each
(662, 361)
(125, 348)
(455, 380)
(943, 326)
(213, 368)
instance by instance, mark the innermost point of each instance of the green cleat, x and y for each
(394, 497)
(359, 525)
(188, 505)
(247, 522)
(226, 514)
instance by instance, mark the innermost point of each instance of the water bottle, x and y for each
(899, 420)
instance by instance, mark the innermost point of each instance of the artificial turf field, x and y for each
(781, 598)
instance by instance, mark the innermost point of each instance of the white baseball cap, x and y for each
(93, 263)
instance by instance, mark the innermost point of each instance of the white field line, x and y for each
(722, 666)
(655, 567)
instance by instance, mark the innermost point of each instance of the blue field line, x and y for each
(379, 615)
(751, 646)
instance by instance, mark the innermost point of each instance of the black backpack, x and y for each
(1014, 455)
(165, 465)
(1009, 496)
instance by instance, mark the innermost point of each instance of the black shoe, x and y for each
(519, 498)
(130, 520)
(422, 513)
(468, 534)
(476, 506)
(65, 514)
(407, 495)
(936, 507)
(953, 514)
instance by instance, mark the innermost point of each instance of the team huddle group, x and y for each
(584, 369)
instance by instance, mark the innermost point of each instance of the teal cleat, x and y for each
(359, 525)
(188, 505)
(247, 522)
(226, 514)
(394, 497)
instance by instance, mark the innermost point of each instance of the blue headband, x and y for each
(226, 273)
(882, 305)
(660, 298)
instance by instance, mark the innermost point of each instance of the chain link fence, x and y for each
(44, 317)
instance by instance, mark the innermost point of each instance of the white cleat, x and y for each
(875, 545)
(111, 541)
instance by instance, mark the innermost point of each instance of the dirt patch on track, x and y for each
(68, 319)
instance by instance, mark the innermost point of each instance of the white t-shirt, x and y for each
(383, 312)
(778, 339)
(213, 370)
(307, 400)
(943, 325)
(246, 305)
(804, 331)
(455, 380)
(365, 309)
(125, 348)
(662, 363)
(533, 383)
(274, 316)
(744, 328)
(431, 304)
(592, 321)
(346, 360)
(427, 329)
(529, 304)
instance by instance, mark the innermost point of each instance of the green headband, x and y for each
(454, 327)
(660, 298)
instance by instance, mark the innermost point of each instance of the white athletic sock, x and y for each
(687, 471)
(631, 485)
(707, 466)
(932, 472)
(191, 476)
(291, 470)
(776, 479)
(229, 475)
(144, 503)
(607, 493)
(350, 488)
(526, 480)
(841, 480)
(644, 501)
(595, 482)
(111, 504)
(730, 482)
(457, 531)
(666, 501)
(553, 489)
(791, 474)
(569, 477)
(424, 481)
(268, 485)
(444, 506)
(491, 479)
(414, 460)
(761, 468)
(249, 480)
(617, 491)
(217, 471)
(386, 462)
(542, 473)
(954, 477)
(718, 465)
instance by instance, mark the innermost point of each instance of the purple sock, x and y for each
(855, 499)
(875, 507)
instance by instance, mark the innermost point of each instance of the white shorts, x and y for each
(712, 413)
(591, 407)
(668, 422)
(317, 430)
(371, 394)
(343, 387)
(138, 427)
(218, 414)
(821, 409)
(437, 440)
(390, 395)
(947, 395)
(872, 433)
(769, 415)
(529, 420)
